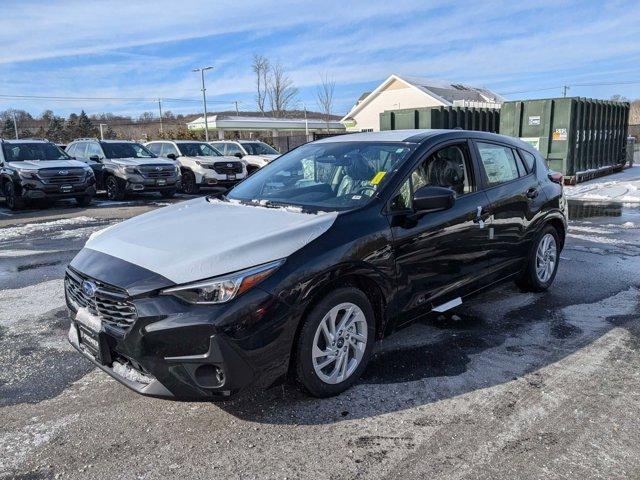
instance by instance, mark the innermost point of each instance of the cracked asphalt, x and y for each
(509, 385)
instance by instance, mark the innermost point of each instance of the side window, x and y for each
(94, 149)
(232, 149)
(220, 147)
(71, 150)
(448, 167)
(529, 160)
(168, 148)
(499, 163)
(155, 148)
(80, 150)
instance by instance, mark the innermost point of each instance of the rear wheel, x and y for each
(542, 264)
(14, 201)
(83, 201)
(115, 191)
(189, 185)
(335, 343)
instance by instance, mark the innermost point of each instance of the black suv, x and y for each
(40, 170)
(302, 266)
(123, 167)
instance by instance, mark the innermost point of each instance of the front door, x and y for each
(441, 255)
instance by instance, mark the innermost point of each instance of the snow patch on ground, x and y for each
(598, 239)
(17, 446)
(44, 228)
(588, 316)
(582, 229)
(20, 307)
(620, 187)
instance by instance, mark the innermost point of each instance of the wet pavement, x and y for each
(509, 385)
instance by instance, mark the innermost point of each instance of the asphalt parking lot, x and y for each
(510, 385)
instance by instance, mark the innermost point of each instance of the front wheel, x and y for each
(335, 343)
(542, 263)
(168, 193)
(189, 185)
(115, 191)
(14, 201)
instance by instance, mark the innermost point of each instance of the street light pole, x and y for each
(204, 101)
(101, 132)
(160, 108)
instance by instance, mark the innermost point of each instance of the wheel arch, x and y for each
(560, 227)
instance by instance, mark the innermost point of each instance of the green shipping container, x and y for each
(467, 118)
(579, 137)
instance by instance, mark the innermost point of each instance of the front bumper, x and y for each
(141, 184)
(34, 190)
(193, 352)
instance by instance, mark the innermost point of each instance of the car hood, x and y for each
(33, 164)
(203, 238)
(266, 158)
(135, 162)
(212, 160)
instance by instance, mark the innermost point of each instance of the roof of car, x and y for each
(25, 140)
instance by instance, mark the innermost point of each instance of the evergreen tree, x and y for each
(71, 128)
(55, 130)
(86, 128)
(8, 129)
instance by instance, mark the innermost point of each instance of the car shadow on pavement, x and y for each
(440, 357)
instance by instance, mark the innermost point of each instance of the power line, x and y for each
(103, 99)
(596, 84)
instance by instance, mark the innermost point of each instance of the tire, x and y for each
(189, 185)
(251, 169)
(14, 202)
(542, 263)
(84, 201)
(331, 379)
(168, 193)
(114, 188)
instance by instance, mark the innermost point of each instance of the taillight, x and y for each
(555, 177)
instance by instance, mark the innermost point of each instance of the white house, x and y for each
(413, 92)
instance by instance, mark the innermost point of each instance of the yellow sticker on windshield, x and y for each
(378, 177)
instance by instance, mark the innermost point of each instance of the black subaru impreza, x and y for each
(300, 268)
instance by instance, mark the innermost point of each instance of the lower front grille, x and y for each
(111, 305)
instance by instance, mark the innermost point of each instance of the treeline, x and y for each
(78, 125)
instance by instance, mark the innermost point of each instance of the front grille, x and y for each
(157, 171)
(62, 176)
(111, 305)
(227, 167)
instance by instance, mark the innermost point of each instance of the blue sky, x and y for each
(147, 49)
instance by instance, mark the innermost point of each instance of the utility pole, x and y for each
(564, 90)
(101, 131)
(15, 124)
(160, 109)
(204, 101)
(237, 111)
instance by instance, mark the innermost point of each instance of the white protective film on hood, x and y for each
(136, 162)
(201, 239)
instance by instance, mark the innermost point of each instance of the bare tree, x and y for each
(282, 93)
(634, 113)
(261, 67)
(324, 93)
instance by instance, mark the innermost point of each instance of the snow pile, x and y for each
(55, 227)
(621, 187)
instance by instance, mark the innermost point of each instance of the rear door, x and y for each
(515, 196)
(440, 256)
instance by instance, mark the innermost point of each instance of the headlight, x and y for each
(25, 173)
(125, 169)
(224, 288)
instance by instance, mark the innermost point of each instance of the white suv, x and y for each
(201, 165)
(257, 154)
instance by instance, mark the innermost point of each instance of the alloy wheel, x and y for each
(112, 188)
(546, 258)
(339, 343)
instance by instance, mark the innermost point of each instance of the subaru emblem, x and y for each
(89, 288)
(230, 165)
(158, 168)
(63, 172)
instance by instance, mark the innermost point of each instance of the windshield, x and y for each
(196, 149)
(324, 176)
(126, 150)
(20, 152)
(259, 148)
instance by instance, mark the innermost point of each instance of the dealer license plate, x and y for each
(231, 177)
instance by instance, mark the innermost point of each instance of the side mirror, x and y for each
(238, 154)
(433, 199)
(172, 156)
(95, 158)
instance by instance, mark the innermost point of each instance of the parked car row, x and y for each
(38, 170)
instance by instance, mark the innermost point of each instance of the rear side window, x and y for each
(529, 160)
(80, 149)
(155, 148)
(499, 163)
(94, 150)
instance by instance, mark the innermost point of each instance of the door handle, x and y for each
(532, 193)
